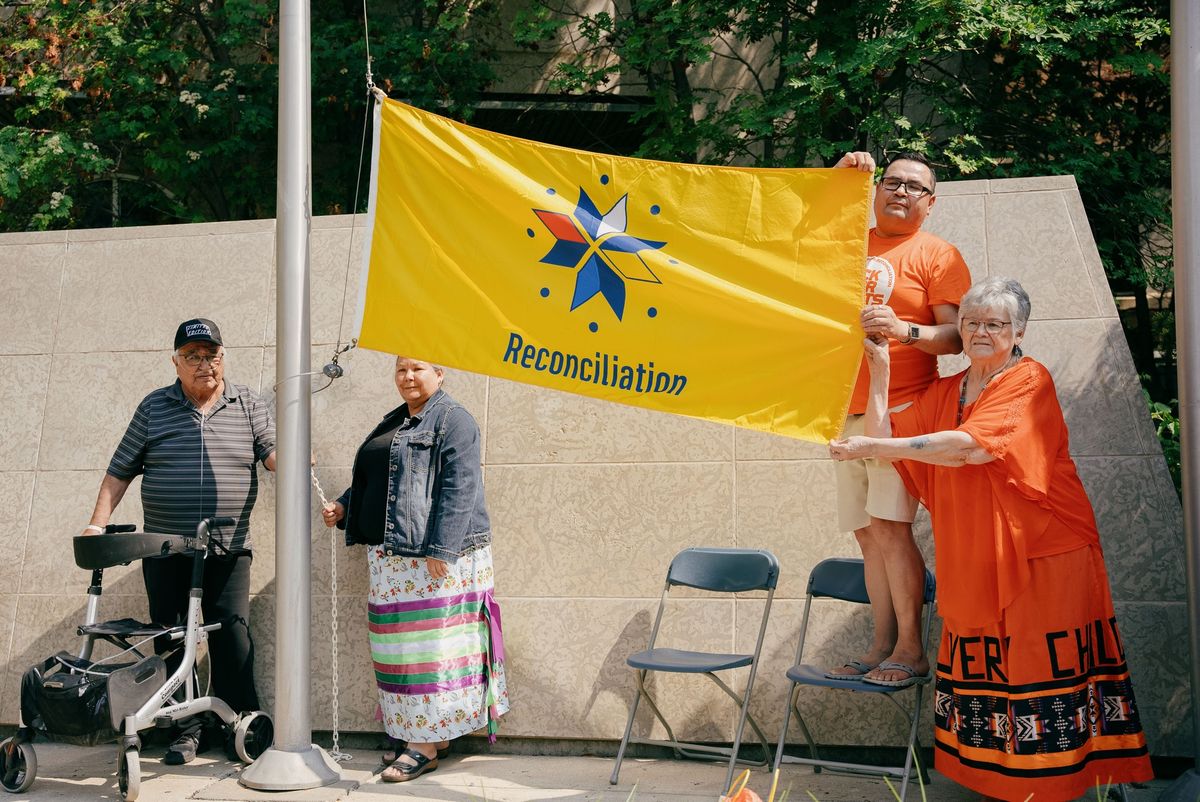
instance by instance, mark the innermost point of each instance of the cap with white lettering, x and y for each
(198, 329)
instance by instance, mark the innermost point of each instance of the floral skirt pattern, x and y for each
(437, 646)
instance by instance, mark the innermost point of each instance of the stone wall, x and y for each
(589, 500)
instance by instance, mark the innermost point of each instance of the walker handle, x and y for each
(202, 530)
(208, 524)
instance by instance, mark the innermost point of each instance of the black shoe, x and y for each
(400, 772)
(397, 745)
(183, 750)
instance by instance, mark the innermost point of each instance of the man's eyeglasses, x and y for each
(990, 326)
(914, 189)
(194, 360)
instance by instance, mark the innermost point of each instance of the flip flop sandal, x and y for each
(859, 667)
(397, 746)
(913, 677)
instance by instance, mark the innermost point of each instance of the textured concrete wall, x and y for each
(589, 500)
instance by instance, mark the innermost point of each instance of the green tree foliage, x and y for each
(152, 111)
(1165, 418)
(988, 89)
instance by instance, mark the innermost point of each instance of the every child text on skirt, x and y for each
(1041, 701)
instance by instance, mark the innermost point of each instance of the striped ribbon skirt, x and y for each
(1039, 706)
(436, 646)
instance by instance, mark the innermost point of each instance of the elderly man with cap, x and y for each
(196, 444)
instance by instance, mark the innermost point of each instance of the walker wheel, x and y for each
(252, 735)
(129, 774)
(18, 765)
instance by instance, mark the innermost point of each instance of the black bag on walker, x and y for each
(77, 701)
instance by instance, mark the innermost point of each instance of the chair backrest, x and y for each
(843, 578)
(724, 570)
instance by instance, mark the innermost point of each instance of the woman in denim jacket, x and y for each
(416, 500)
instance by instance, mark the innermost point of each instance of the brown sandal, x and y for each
(403, 772)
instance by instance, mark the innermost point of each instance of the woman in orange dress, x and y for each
(1033, 698)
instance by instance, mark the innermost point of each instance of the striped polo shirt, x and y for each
(197, 466)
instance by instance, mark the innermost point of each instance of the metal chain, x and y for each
(336, 752)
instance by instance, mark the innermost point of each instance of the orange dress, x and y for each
(1032, 693)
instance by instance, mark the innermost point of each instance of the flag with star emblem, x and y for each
(729, 294)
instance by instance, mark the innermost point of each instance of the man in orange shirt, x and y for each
(914, 282)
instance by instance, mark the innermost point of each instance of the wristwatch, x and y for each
(914, 333)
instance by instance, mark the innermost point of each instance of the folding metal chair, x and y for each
(843, 579)
(719, 571)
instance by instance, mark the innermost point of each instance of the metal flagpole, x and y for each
(293, 762)
(1185, 216)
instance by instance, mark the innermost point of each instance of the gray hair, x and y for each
(998, 292)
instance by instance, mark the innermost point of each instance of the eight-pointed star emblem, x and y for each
(598, 246)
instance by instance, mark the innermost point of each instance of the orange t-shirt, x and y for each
(909, 274)
(990, 520)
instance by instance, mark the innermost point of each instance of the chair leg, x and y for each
(787, 715)
(732, 768)
(762, 739)
(737, 736)
(679, 752)
(912, 740)
(922, 769)
(908, 761)
(808, 739)
(637, 697)
(762, 736)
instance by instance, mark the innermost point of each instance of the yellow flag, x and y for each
(724, 293)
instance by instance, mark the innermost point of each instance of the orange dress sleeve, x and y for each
(932, 410)
(990, 520)
(1017, 419)
(1022, 425)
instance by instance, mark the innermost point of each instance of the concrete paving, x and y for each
(81, 774)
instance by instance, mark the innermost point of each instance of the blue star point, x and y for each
(591, 242)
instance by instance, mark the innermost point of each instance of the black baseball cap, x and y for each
(197, 330)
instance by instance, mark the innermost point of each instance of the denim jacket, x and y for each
(435, 484)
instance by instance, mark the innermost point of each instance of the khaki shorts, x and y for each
(870, 488)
